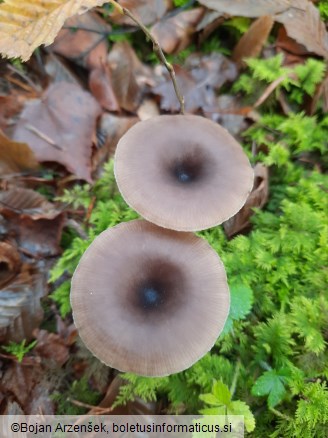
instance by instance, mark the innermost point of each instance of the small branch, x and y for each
(43, 136)
(157, 49)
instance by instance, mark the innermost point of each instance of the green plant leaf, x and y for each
(221, 392)
(240, 408)
(270, 383)
(241, 301)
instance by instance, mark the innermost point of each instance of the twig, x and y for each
(269, 90)
(96, 410)
(272, 87)
(103, 33)
(43, 136)
(26, 78)
(157, 49)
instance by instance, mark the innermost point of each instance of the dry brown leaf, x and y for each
(287, 44)
(51, 346)
(25, 26)
(147, 11)
(126, 69)
(228, 114)
(135, 407)
(174, 34)
(10, 262)
(257, 198)
(10, 105)
(248, 8)
(60, 127)
(82, 40)
(112, 128)
(321, 92)
(29, 386)
(204, 74)
(211, 70)
(303, 23)
(20, 308)
(15, 157)
(195, 96)
(33, 221)
(59, 71)
(100, 85)
(252, 42)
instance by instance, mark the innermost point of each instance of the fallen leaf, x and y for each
(147, 11)
(82, 40)
(59, 71)
(10, 262)
(208, 19)
(15, 157)
(33, 221)
(10, 105)
(287, 44)
(29, 386)
(23, 28)
(60, 127)
(112, 128)
(211, 70)
(195, 96)
(247, 8)
(257, 198)
(126, 70)
(252, 42)
(197, 83)
(174, 34)
(51, 346)
(321, 91)
(303, 23)
(135, 407)
(208, 24)
(100, 85)
(228, 114)
(20, 308)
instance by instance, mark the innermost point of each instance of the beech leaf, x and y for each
(128, 75)
(147, 11)
(82, 40)
(32, 220)
(303, 23)
(174, 34)
(252, 42)
(247, 8)
(60, 127)
(14, 156)
(25, 25)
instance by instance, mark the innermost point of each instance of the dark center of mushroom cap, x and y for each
(190, 167)
(157, 289)
(151, 295)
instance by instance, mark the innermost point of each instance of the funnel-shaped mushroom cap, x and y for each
(148, 300)
(184, 173)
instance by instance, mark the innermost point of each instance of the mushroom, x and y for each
(182, 172)
(149, 300)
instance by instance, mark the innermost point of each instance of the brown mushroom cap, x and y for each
(148, 300)
(184, 173)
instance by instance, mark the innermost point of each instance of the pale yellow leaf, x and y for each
(25, 25)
